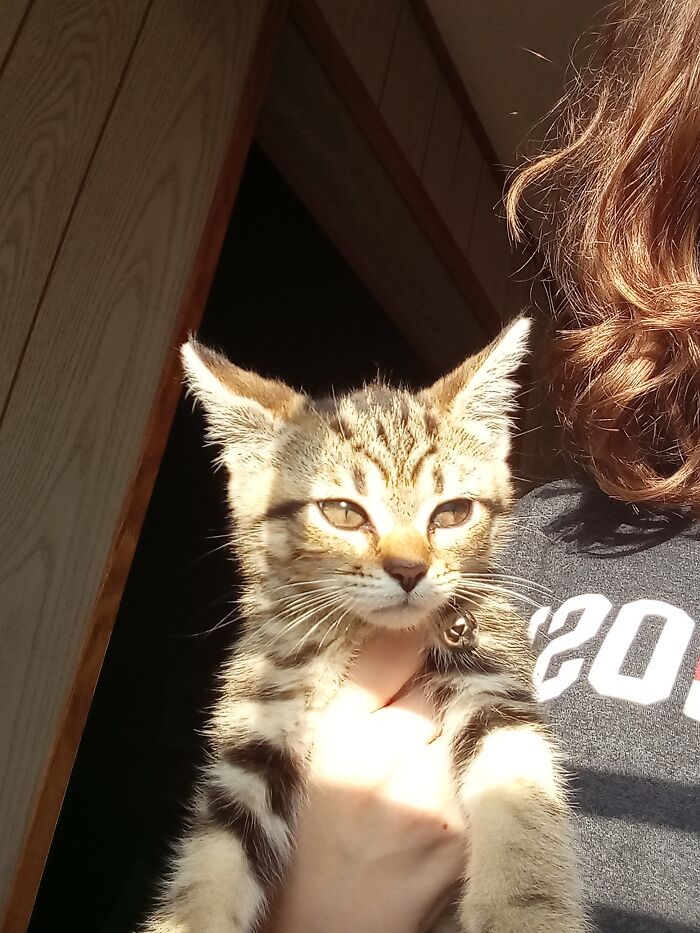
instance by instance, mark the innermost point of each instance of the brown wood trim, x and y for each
(330, 54)
(454, 79)
(36, 845)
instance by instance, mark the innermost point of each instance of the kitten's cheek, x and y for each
(277, 542)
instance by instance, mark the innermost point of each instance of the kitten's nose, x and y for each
(407, 572)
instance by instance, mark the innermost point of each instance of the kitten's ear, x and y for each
(244, 411)
(481, 393)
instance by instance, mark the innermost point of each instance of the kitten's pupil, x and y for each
(451, 514)
(343, 514)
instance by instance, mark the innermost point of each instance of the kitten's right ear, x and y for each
(244, 411)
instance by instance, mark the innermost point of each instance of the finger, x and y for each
(412, 711)
(384, 664)
(439, 908)
(413, 700)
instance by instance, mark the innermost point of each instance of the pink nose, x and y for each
(407, 572)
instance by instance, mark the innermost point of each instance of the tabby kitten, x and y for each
(382, 508)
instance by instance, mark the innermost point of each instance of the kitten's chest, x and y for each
(326, 677)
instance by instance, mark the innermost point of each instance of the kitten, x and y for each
(381, 509)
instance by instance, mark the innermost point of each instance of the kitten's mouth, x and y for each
(404, 605)
(407, 612)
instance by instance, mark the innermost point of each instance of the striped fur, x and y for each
(314, 591)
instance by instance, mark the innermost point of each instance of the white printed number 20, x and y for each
(657, 681)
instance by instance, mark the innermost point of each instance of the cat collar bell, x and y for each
(460, 631)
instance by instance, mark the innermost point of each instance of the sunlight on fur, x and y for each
(375, 514)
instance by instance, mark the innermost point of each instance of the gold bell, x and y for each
(462, 631)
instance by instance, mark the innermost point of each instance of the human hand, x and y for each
(380, 842)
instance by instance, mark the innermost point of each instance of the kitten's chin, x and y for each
(399, 617)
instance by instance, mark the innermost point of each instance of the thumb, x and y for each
(383, 665)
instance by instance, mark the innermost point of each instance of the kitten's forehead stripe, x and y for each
(359, 478)
(388, 426)
(420, 461)
(381, 433)
(384, 469)
(431, 425)
(438, 479)
(340, 427)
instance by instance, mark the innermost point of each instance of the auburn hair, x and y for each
(618, 203)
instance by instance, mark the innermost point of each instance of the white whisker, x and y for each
(472, 588)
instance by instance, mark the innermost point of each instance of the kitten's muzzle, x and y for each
(407, 572)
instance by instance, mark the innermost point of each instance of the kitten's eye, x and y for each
(343, 514)
(452, 514)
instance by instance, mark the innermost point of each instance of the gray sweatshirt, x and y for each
(618, 649)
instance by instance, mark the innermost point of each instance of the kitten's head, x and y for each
(381, 501)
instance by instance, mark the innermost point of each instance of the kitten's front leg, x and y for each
(231, 859)
(521, 875)
(213, 887)
(239, 843)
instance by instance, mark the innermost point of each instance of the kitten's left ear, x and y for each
(244, 411)
(481, 393)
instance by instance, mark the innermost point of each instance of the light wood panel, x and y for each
(410, 89)
(366, 30)
(11, 14)
(55, 95)
(315, 142)
(441, 154)
(138, 255)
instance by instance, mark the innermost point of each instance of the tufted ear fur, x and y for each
(480, 394)
(244, 412)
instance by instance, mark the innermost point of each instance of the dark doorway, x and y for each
(283, 302)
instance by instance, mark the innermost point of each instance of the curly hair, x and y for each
(620, 194)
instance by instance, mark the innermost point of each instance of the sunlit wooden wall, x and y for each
(116, 122)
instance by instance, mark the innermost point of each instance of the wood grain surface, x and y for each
(335, 63)
(12, 13)
(441, 154)
(489, 252)
(366, 30)
(464, 189)
(72, 442)
(431, 120)
(315, 142)
(56, 92)
(410, 89)
(451, 75)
